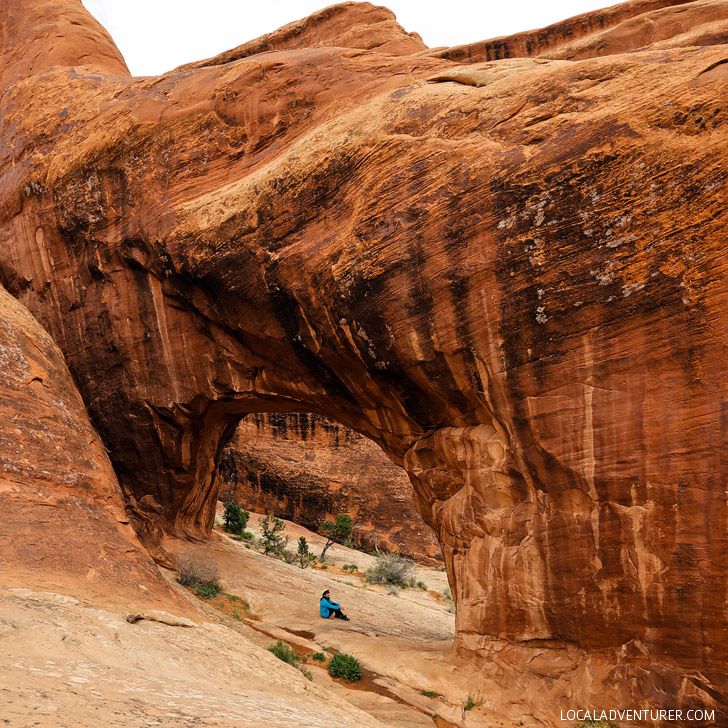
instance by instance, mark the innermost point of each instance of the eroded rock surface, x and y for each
(306, 468)
(64, 524)
(510, 275)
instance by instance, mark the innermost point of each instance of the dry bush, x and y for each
(391, 570)
(196, 568)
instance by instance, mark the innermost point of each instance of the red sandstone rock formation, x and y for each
(306, 468)
(64, 526)
(510, 275)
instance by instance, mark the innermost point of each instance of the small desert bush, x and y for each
(421, 585)
(474, 700)
(303, 554)
(345, 666)
(196, 568)
(429, 693)
(391, 570)
(285, 652)
(449, 602)
(208, 591)
(319, 657)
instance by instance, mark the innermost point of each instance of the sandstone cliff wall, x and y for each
(64, 525)
(508, 274)
(306, 468)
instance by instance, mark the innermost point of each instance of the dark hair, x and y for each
(326, 591)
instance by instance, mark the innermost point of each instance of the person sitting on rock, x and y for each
(327, 607)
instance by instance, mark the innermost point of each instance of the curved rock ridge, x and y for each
(511, 277)
(346, 25)
(630, 26)
(64, 526)
(306, 468)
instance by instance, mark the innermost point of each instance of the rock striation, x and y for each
(65, 528)
(306, 469)
(509, 274)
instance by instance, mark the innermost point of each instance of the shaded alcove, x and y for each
(305, 468)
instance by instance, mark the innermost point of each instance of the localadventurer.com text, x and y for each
(653, 714)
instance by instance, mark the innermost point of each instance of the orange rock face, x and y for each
(306, 468)
(64, 522)
(509, 274)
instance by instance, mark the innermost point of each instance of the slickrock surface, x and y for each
(64, 526)
(306, 468)
(87, 667)
(511, 275)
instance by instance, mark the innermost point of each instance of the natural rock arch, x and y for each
(306, 468)
(510, 276)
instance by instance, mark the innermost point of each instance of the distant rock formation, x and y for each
(306, 468)
(511, 275)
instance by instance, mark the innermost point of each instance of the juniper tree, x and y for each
(270, 539)
(336, 531)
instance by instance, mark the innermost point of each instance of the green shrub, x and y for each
(353, 567)
(208, 591)
(244, 536)
(235, 518)
(285, 652)
(472, 701)
(429, 694)
(304, 556)
(318, 657)
(391, 570)
(421, 585)
(345, 666)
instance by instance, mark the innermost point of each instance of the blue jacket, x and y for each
(326, 606)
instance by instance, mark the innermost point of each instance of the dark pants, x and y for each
(337, 613)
